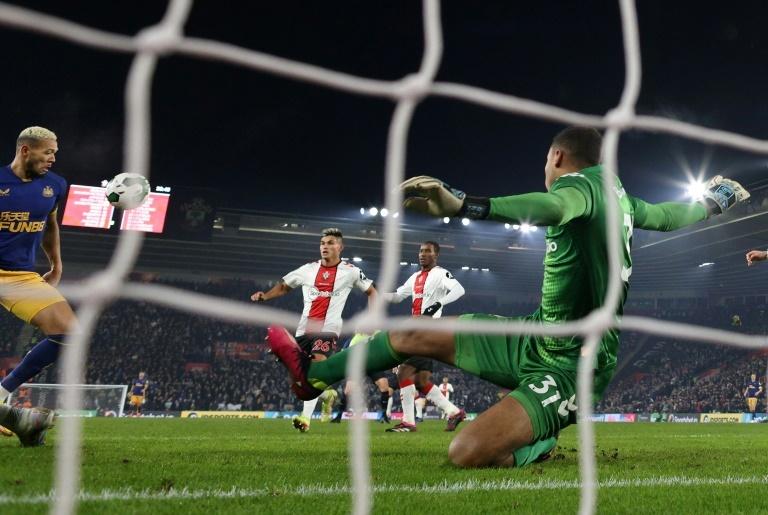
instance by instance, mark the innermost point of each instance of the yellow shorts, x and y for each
(25, 294)
(752, 403)
(137, 400)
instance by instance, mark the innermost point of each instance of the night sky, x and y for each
(269, 143)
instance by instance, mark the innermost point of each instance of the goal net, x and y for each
(167, 37)
(98, 400)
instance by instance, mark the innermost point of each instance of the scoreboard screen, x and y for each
(87, 206)
(149, 217)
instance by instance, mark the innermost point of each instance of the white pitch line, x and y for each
(445, 487)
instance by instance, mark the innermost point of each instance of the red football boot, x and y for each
(288, 352)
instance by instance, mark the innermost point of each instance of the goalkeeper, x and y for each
(540, 370)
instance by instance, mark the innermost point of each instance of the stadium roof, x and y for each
(265, 246)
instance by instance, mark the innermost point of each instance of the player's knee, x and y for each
(56, 319)
(466, 452)
(405, 371)
(57, 328)
(48, 326)
(409, 342)
(399, 340)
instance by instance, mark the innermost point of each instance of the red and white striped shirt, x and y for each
(446, 389)
(325, 290)
(427, 287)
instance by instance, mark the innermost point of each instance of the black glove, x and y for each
(431, 310)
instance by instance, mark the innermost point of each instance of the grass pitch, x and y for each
(208, 466)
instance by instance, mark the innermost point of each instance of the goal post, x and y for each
(99, 400)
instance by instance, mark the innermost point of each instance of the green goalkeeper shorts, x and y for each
(547, 392)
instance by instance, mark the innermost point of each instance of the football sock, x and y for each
(309, 408)
(41, 355)
(383, 401)
(342, 406)
(390, 401)
(327, 399)
(381, 356)
(420, 402)
(529, 453)
(438, 399)
(407, 398)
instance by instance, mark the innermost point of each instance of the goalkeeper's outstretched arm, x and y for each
(721, 194)
(667, 216)
(433, 197)
(554, 208)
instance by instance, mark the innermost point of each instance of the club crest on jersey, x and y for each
(5, 193)
(47, 192)
(326, 275)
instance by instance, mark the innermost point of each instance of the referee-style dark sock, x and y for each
(384, 400)
(342, 407)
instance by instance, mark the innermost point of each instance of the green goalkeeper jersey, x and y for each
(576, 266)
(576, 269)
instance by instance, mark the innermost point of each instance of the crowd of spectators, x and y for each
(135, 336)
(662, 375)
(189, 369)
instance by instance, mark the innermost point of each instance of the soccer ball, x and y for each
(127, 190)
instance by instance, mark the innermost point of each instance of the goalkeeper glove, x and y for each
(359, 338)
(722, 194)
(431, 310)
(432, 196)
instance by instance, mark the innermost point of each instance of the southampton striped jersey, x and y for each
(325, 290)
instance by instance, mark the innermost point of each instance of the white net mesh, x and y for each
(98, 400)
(166, 37)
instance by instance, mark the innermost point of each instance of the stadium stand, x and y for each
(196, 363)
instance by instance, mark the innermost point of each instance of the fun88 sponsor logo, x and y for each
(314, 293)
